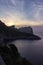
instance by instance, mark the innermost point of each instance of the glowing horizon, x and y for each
(16, 23)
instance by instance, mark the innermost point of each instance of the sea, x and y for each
(32, 50)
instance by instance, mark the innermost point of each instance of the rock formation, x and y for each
(26, 30)
(11, 56)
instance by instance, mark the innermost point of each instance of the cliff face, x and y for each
(26, 30)
(11, 56)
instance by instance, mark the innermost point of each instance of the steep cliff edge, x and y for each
(26, 30)
(11, 56)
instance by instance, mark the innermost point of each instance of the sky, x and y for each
(21, 12)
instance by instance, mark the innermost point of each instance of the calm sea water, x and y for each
(31, 50)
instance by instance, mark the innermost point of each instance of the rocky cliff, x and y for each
(11, 56)
(26, 30)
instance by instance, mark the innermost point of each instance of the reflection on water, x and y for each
(32, 50)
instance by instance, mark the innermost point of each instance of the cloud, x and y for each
(34, 11)
(38, 11)
(13, 2)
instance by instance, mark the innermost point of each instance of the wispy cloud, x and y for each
(13, 2)
(34, 11)
(38, 11)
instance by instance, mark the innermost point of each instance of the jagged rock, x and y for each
(26, 30)
(11, 56)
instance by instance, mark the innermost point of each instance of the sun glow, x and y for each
(24, 23)
(10, 22)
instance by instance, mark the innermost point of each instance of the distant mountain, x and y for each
(11, 33)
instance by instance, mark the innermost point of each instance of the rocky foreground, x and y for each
(11, 56)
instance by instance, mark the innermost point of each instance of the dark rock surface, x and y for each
(26, 29)
(11, 56)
